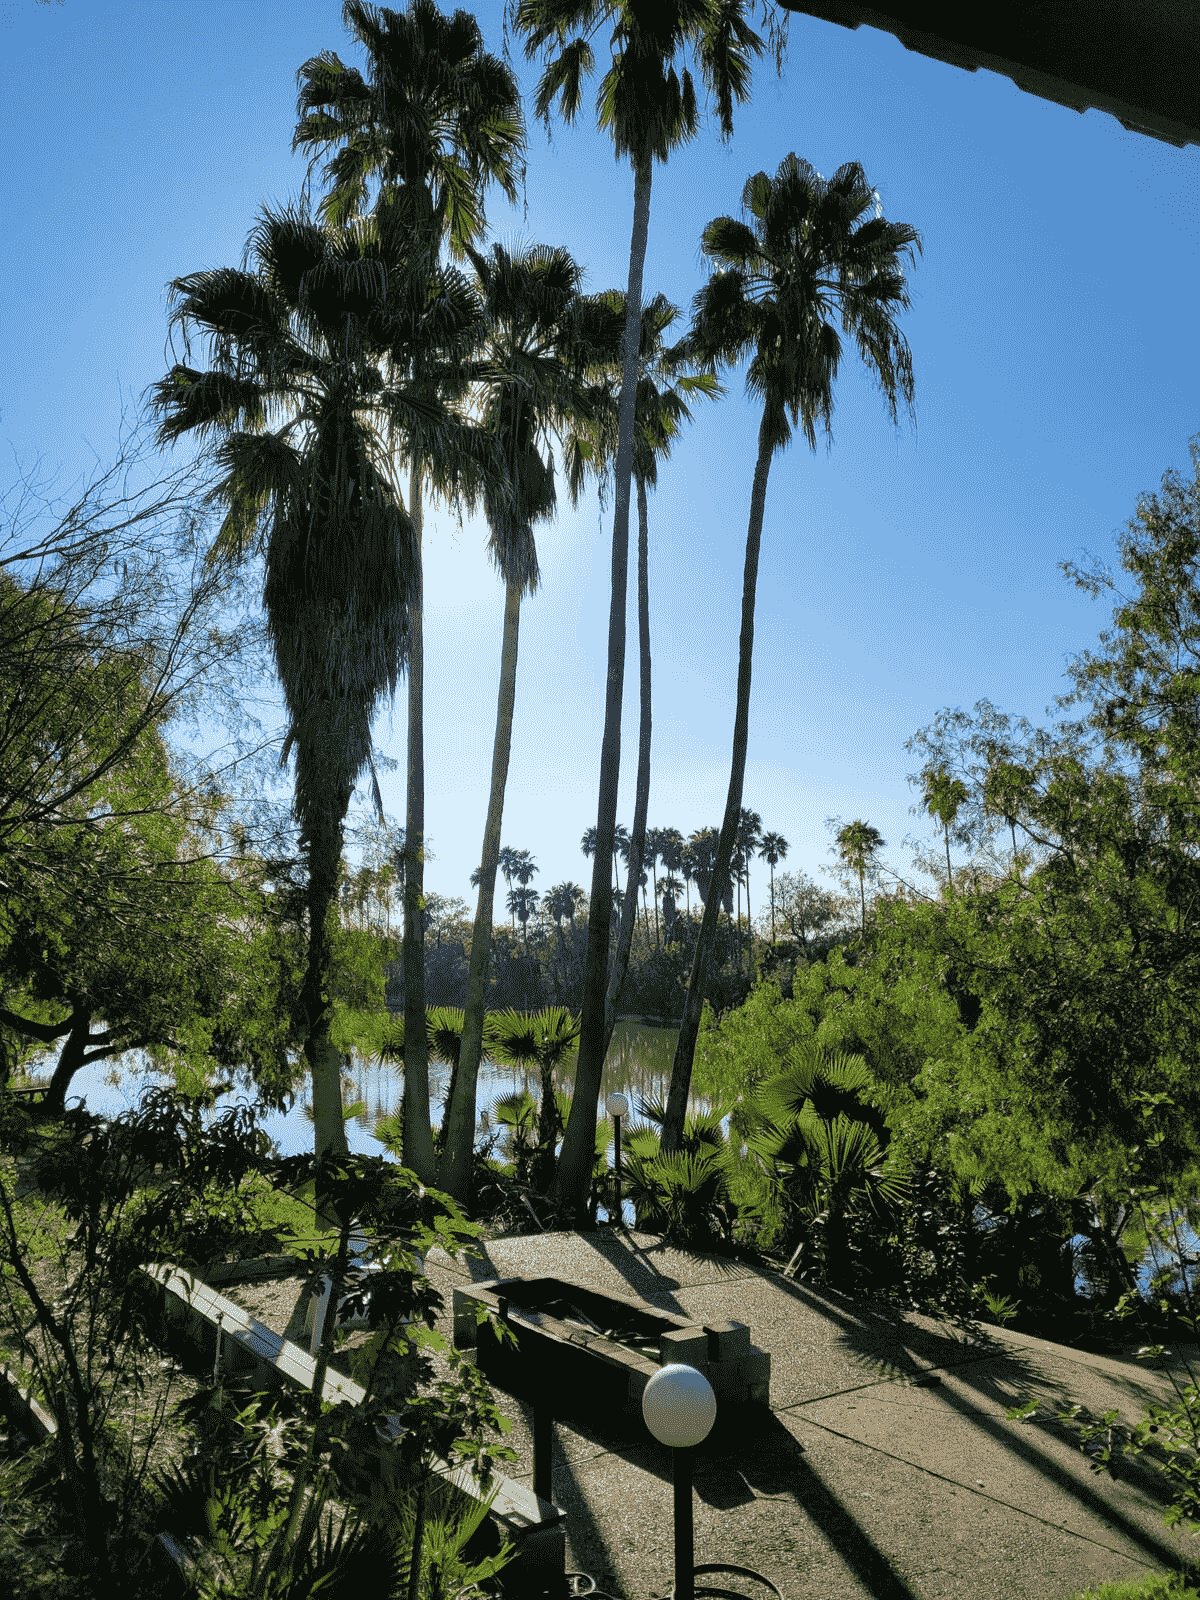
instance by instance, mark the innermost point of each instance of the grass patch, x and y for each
(1160, 1586)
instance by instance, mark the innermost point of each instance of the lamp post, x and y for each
(679, 1408)
(617, 1106)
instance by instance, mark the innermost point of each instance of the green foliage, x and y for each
(153, 1182)
(688, 1195)
(1167, 1436)
(230, 1496)
(1160, 1586)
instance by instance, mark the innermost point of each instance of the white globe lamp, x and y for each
(680, 1408)
(617, 1107)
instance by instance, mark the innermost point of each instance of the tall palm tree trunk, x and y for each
(457, 1155)
(324, 1062)
(418, 1137)
(579, 1142)
(685, 1048)
(320, 1052)
(637, 843)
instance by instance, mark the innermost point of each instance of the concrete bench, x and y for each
(534, 1526)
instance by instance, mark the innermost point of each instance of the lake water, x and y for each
(638, 1064)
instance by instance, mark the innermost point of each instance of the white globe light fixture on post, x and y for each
(617, 1107)
(680, 1408)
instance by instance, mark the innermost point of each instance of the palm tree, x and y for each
(524, 902)
(942, 796)
(703, 848)
(749, 836)
(620, 848)
(670, 850)
(648, 109)
(857, 843)
(506, 860)
(772, 849)
(524, 867)
(804, 253)
(436, 120)
(669, 889)
(300, 334)
(653, 855)
(688, 866)
(561, 901)
(544, 339)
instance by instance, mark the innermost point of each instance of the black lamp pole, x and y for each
(681, 1477)
(617, 1106)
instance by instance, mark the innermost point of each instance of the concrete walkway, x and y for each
(886, 1468)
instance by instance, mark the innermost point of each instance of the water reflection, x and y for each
(638, 1064)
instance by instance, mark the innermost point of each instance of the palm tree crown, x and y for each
(439, 119)
(942, 796)
(804, 254)
(644, 104)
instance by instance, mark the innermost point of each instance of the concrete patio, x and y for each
(884, 1468)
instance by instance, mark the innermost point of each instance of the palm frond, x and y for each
(204, 402)
(563, 78)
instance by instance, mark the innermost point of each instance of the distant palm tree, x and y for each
(736, 863)
(773, 849)
(670, 849)
(561, 901)
(507, 862)
(523, 902)
(703, 844)
(805, 250)
(524, 867)
(749, 836)
(620, 848)
(669, 888)
(942, 796)
(857, 843)
(568, 897)
(688, 865)
(652, 856)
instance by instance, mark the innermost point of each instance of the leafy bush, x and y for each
(1168, 1436)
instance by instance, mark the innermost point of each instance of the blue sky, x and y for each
(1055, 332)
